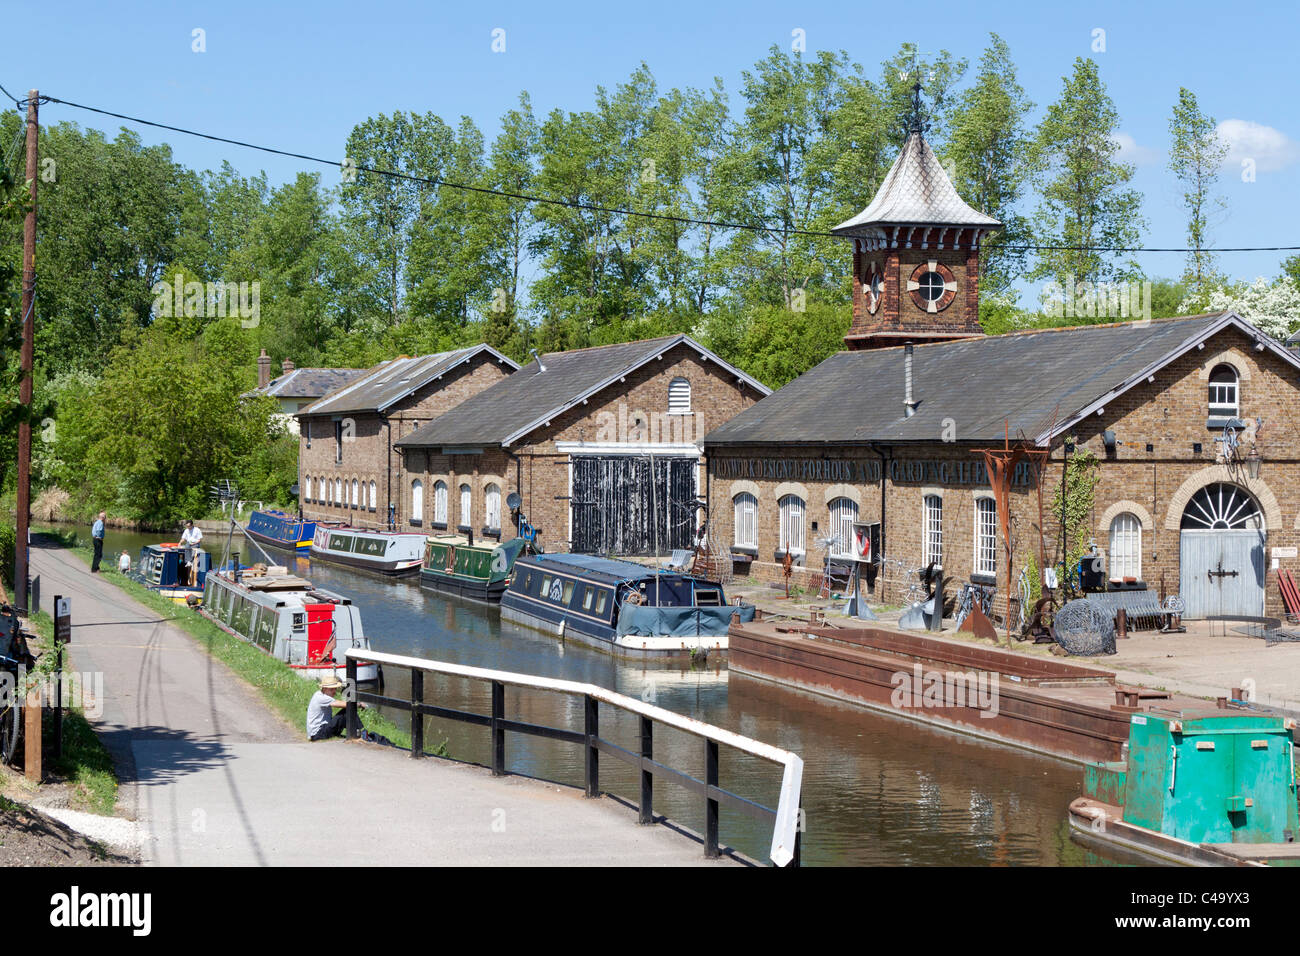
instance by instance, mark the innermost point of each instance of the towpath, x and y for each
(214, 778)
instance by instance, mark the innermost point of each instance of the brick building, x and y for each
(296, 388)
(348, 469)
(602, 444)
(1190, 420)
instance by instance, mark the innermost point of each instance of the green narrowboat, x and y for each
(478, 571)
(1199, 788)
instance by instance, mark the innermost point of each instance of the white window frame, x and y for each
(745, 508)
(440, 501)
(355, 492)
(492, 506)
(466, 505)
(792, 510)
(843, 515)
(373, 496)
(986, 536)
(679, 396)
(932, 529)
(1125, 547)
(1224, 397)
(417, 500)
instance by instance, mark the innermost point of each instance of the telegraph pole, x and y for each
(25, 388)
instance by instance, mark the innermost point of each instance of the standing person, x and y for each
(191, 538)
(124, 563)
(97, 535)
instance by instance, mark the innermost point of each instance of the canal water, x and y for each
(876, 790)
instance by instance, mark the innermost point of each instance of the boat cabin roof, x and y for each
(606, 570)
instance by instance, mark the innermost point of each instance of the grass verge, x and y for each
(284, 691)
(86, 764)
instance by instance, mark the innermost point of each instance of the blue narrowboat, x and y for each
(620, 606)
(281, 530)
(162, 568)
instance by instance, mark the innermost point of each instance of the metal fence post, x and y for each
(352, 721)
(591, 727)
(417, 718)
(498, 732)
(647, 778)
(710, 804)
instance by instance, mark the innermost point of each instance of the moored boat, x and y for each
(161, 567)
(480, 571)
(384, 552)
(305, 627)
(1198, 788)
(281, 530)
(617, 605)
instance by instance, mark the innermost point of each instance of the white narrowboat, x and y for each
(389, 553)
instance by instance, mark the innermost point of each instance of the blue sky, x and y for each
(298, 76)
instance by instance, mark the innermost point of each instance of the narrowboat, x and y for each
(1197, 788)
(305, 627)
(480, 572)
(281, 530)
(617, 605)
(389, 553)
(162, 568)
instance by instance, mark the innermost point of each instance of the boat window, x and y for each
(601, 600)
(588, 595)
(568, 592)
(545, 590)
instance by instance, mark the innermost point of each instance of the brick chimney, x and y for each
(287, 366)
(263, 370)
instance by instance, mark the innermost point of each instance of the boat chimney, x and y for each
(263, 370)
(541, 366)
(287, 366)
(909, 404)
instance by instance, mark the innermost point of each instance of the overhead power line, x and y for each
(592, 207)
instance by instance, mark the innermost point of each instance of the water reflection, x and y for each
(876, 790)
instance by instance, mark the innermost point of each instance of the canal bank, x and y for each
(215, 778)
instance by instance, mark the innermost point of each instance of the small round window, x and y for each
(931, 286)
(875, 290)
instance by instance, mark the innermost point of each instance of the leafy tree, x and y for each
(1085, 203)
(987, 148)
(1196, 157)
(1274, 307)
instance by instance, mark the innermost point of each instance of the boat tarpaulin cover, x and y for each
(642, 621)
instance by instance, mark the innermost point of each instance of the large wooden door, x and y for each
(624, 505)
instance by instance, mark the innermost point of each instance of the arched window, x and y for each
(465, 499)
(440, 502)
(746, 508)
(364, 488)
(932, 549)
(373, 496)
(492, 506)
(679, 397)
(355, 494)
(986, 536)
(1224, 399)
(1125, 547)
(417, 500)
(792, 539)
(844, 511)
(339, 498)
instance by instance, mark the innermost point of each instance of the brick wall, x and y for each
(364, 455)
(1168, 414)
(898, 312)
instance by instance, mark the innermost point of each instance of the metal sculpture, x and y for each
(1084, 629)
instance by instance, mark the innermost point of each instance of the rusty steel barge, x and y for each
(1062, 709)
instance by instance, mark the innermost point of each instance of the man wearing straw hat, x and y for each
(325, 712)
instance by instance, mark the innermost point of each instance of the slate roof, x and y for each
(309, 382)
(915, 192)
(529, 398)
(1025, 379)
(379, 388)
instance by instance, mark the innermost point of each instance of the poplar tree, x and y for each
(1086, 205)
(987, 150)
(1196, 157)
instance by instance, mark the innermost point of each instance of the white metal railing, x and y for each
(786, 817)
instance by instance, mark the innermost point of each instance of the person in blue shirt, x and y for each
(97, 534)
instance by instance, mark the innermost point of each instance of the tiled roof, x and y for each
(966, 390)
(511, 408)
(916, 191)
(310, 382)
(380, 387)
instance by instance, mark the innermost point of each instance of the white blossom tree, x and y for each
(1273, 307)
